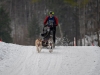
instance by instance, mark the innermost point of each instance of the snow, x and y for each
(64, 60)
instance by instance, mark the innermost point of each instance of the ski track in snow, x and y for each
(62, 61)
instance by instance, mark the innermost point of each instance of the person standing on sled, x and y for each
(51, 21)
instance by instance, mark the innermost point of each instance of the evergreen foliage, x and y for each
(5, 29)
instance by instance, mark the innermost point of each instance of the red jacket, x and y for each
(46, 20)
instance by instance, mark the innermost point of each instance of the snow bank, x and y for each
(8, 53)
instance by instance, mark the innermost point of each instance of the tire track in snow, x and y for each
(55, 63)
(17, 63)
(63, 60)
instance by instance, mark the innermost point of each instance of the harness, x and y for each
(47, 32)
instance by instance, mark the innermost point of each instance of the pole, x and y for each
(74, 41)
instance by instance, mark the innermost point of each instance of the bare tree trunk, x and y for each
(98, 22)
(15, 22)
(80, 26)
(97, 30)
(84, 23)
(61, 33)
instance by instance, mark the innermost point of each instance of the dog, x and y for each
(50, 44)
(38, 44)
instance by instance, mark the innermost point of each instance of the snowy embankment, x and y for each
(65, 60)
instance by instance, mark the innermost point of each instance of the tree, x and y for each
(79, 7)
(98, 22)
(5, 29)
(33, 29)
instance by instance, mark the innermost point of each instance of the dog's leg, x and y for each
(51, 48)
(50, 45)
(37, 49)
(40, 47)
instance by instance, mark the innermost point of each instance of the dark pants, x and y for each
(54, 33)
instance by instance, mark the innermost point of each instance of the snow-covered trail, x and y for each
(63, 61)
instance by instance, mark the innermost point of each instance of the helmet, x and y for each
(51, 12)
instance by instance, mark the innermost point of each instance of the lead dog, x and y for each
(50, 44)
(38, 44)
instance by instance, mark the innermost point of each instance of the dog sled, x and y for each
(47, 38)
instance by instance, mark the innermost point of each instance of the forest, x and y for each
(21, 21)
